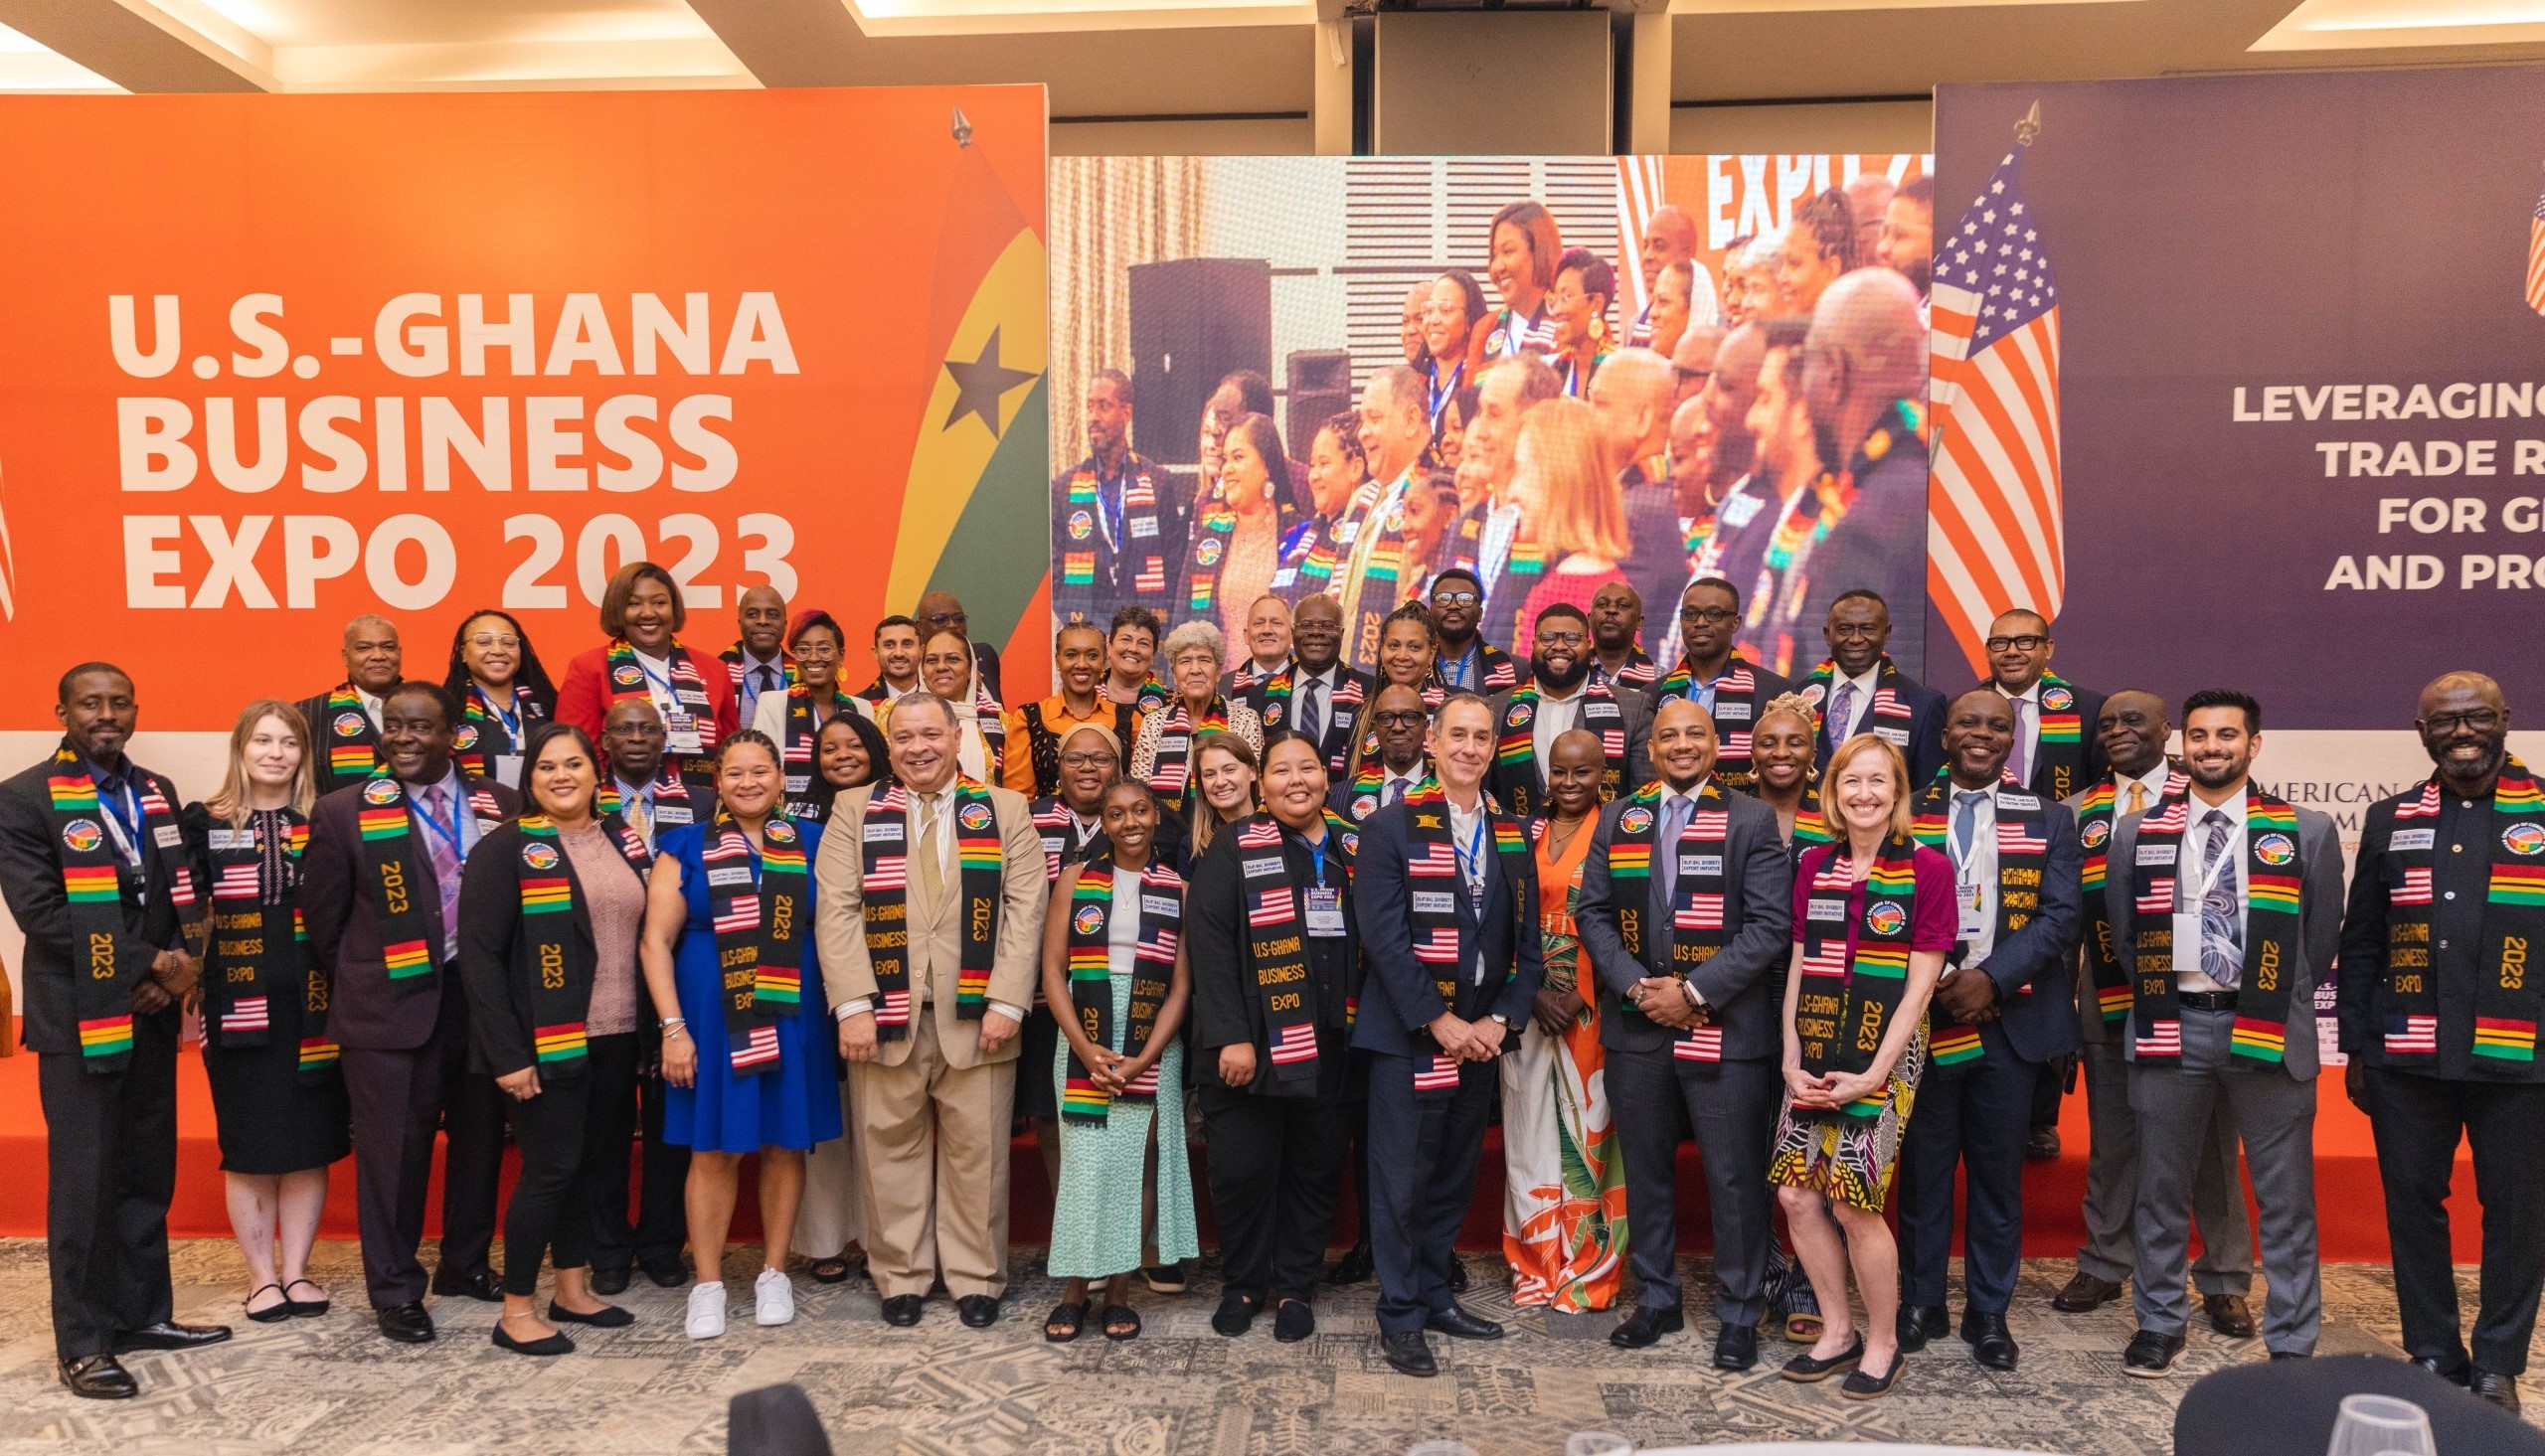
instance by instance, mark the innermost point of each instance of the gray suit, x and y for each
(2175, 1100)
(2225, 1262)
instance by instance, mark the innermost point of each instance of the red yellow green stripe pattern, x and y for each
(389, 823)
(91, 883)
(406, 958)
(2505, 1040)
(73, 793)
(560, 1043)
(546, 896)
(1954, 1044)
(2517, 885)
(106, 1035)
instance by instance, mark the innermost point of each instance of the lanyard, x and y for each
(1966, 858)
(1462, 668)
(511, 720)
(123, 816)
(448, 833)
(1441, 394)
(1317, 851)
(647, 669)
(1471, 854)
(2204, 881)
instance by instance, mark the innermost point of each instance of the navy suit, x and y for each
(1422, 1154)
(1925, 744)
(1730, 1105)
(1977, 1114)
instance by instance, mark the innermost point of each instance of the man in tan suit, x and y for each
(931, 1063)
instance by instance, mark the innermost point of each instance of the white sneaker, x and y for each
(776, 1295)
(706, 1310)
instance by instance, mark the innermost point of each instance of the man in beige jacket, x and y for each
(931, 1060)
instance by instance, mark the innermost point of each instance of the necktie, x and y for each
(2222, 930)
(1394, 791)
(1965, 821)
(1843, 713)
(932, 869)
(1675, 809)
(445, 858)
(1312, 714)
(640, 818)
(2137, 798)
(767, 678)
(2022, 756)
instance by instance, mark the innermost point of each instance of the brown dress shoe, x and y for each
(2083, 1293)
(2228, 1315)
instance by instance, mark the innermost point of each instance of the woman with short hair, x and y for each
(641, 615)
(1163, 757)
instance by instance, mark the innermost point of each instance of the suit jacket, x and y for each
(935, 947)
(367, 1011)
(2320, 921)
(31, 879)
(1227, 1010)
(1926, 746)
(1656, 563)
(1876, 546)
(2035, 968)
(1744, 981)
(500, 1039)
(2090, 706)
(2092, 1029)
(1635, 709)
(1398, 998)
(1335, 732)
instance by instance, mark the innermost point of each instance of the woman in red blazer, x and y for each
(642, 614)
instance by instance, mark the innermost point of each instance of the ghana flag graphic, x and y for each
(974, 516)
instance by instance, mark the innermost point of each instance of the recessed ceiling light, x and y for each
(2325, 25)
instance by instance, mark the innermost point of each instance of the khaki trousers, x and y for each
(932, 1141)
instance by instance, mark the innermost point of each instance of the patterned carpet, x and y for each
(333, 1386)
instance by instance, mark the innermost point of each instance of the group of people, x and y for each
(1770, 430)
(1838, 929)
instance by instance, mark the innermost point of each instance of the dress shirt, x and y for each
(1397, 787)
(1860, 709)
(369, 706)
(2188, 890)
(2027, 725)
(750, 688)
(454, 804)
(937, 812)
(1493, 542)
(1326, 681)
(1463, 671)
(2153, 781)
(120, 803)
(1555, 717)
(1975, 870)
(641, 795)
(1463, 825)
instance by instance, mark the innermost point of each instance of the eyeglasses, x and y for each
(486, 641)
(1708, 614)
(948, 620)
(1398, 718)
(2025, 643)
(2480, 720)
(1087, 760)
(1559, 639)
(1454, 598)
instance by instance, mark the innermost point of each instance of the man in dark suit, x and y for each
(1711, 674)
(1860, 690)
(1432, 1055)
(105, 1044)
(1692, 979)
(1562, 694)
(1318, 693)
(1633, 395)
(1402, 727)
(2435, 1028)
(2002, 1007)
(1119, 522)
(406, 1034)
(344, 720)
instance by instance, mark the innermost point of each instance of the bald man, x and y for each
(2439, 1023)
(758, 661)
(1864, 381)
(1671, 238)
(345, 720)
(1631, 396)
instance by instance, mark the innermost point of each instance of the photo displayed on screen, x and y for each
(1302, 376)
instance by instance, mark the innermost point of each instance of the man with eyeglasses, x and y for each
(2057, 752)
(1401, 725)
(1315, 693)
(758, 661)
(938, 611)
(1466, 662)
(1561, 695)
(1078, 660)
(2439, 1000)
(1713, 675)
(1858, 689)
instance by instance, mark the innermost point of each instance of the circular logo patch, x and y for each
(1207, 552)
(539, 856)
(778, 831)
(1813, 691)
(83, 835)
(2058, 700)
(976, 817)
(350, 724)
(1088, 919)
(626, 674)
(1635, 821)
(1520, 715)
(1271, 713)
(1362, 807)
(1351, 843)
(2094, 833)
(380, 792)
(2524, 839)
(1081, 525)
(465, 738)
(1886, 917)
(2275, 848)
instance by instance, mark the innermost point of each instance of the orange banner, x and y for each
(267, 363)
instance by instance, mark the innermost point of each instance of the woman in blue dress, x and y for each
(749, 1069)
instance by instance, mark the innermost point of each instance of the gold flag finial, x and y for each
(2029, 127)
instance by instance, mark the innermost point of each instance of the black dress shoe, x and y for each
(1922, 1322)
(1457, 1324)
(2150, 1355)
(1990, 1342)
(169, 1335)
(2042, 1146)
(407, 1324)
(2084, 1293)
(901, 1310)
(480, 1286)
(2228, 1315)
(1458, 1275)
(1356, 1266)
(1736, 1348)
(1293, 1321)
(608, 1317)
(977, 1311)
(2498, 1389)
(98, 1378)
(1409, 1353)
(1646, 1327)
(2292, 1355)
(610, 1281)
(666, 1270)
(2458, 1374)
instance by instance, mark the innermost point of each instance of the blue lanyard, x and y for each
(1317, 851)
(449, 833)
(511, 720)
(663, 683)
(126, 813)
(1471, 854)
(1462, 668)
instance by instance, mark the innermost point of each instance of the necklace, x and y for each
(1559, 838)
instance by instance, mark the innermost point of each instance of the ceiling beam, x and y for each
(135, 45)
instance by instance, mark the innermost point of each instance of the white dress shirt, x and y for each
(2027, 724)
(1975, 874)
(1856, 710)
(1326, 681)
(369, 706)
(1463, 825)
(1555, 717)
(2189, 886)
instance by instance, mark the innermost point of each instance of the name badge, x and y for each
(231, 839)
(680, 732)
(2156, 854)
(1701, 864)
(796, 783)
(884, 832)
(2024, 802)
(1325, 912)
(1897, 737)
(673, 813)
(1053, 844)
(1160, 905)
(1174, 743)
(1832, 911)
(728, 875)
(1143, 527)
(1730, 711)
(1272, 867)
(1434, 902)
(167, 836)
(1974, 913)
(1286, 576)
(1347, 533)
(1737, 511)
(504, 768)
(1599, 707)
(2410, 839)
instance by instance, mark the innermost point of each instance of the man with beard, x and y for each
(2438, 1015)
(1631, 396)
(1744, 496)
(1907, 243)
(1467, 663)
(1858, 689)
(1617, 626)
(1401, 725)
(1316, 695)
(1118, 524)
(2227, 902)
(344, 721)
(1077, 662)
(1712, 674)
(1504, 394)
(1561, 695)
(896, 661)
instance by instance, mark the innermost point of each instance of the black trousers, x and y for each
(1976, 1115)
(1357, 1113)
(559, 1137)
(1731, 1107)
(111, 1157)
(662, 1218)
(400, 1099)
(1423, 1156)
(2418, 1121)
(472, 1120)
(1276, 1168)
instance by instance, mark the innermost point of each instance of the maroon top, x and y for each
(1932, 923)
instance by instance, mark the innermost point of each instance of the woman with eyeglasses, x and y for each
(794, 719)
(503, 692)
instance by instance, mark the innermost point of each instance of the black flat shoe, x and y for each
(407, 1324)
(1293, 1322)
(273, 1313)
(901, 1310)
(608, 1317)
(307, 1308)
(480, 1286)
(829, 1271)
(1121, 1322)
(608, 1282)
(1409, 1353)
(98, 1378)
(1165, 1279)
(1809, 1371)
(1646, 1327)
(1065, 1321)
(551, 1344)
(1355, 1267)
(169, 1335)
(1862, 1387)
(977, 1311)
(1457, 1323)
(1235, 1314)
(1736, 1348)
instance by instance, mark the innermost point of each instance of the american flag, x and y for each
(2536, 257)
(2164, 1037)
(1294, 1043)
(1702, 1043)
(2410, 1033)
(1994, 535)
(1440, 1072)
(756, 1047)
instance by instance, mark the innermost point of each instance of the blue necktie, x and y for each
(1310, 713)
(1843, 713)
(1965, 821)
(2222, 932)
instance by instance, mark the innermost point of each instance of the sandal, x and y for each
(1802, 1328)
(304, 1307)
(1121, 1322)
(1065, 1321)
(273, 1313)
(829, 1271)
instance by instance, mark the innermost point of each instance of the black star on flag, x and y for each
(981, 384)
